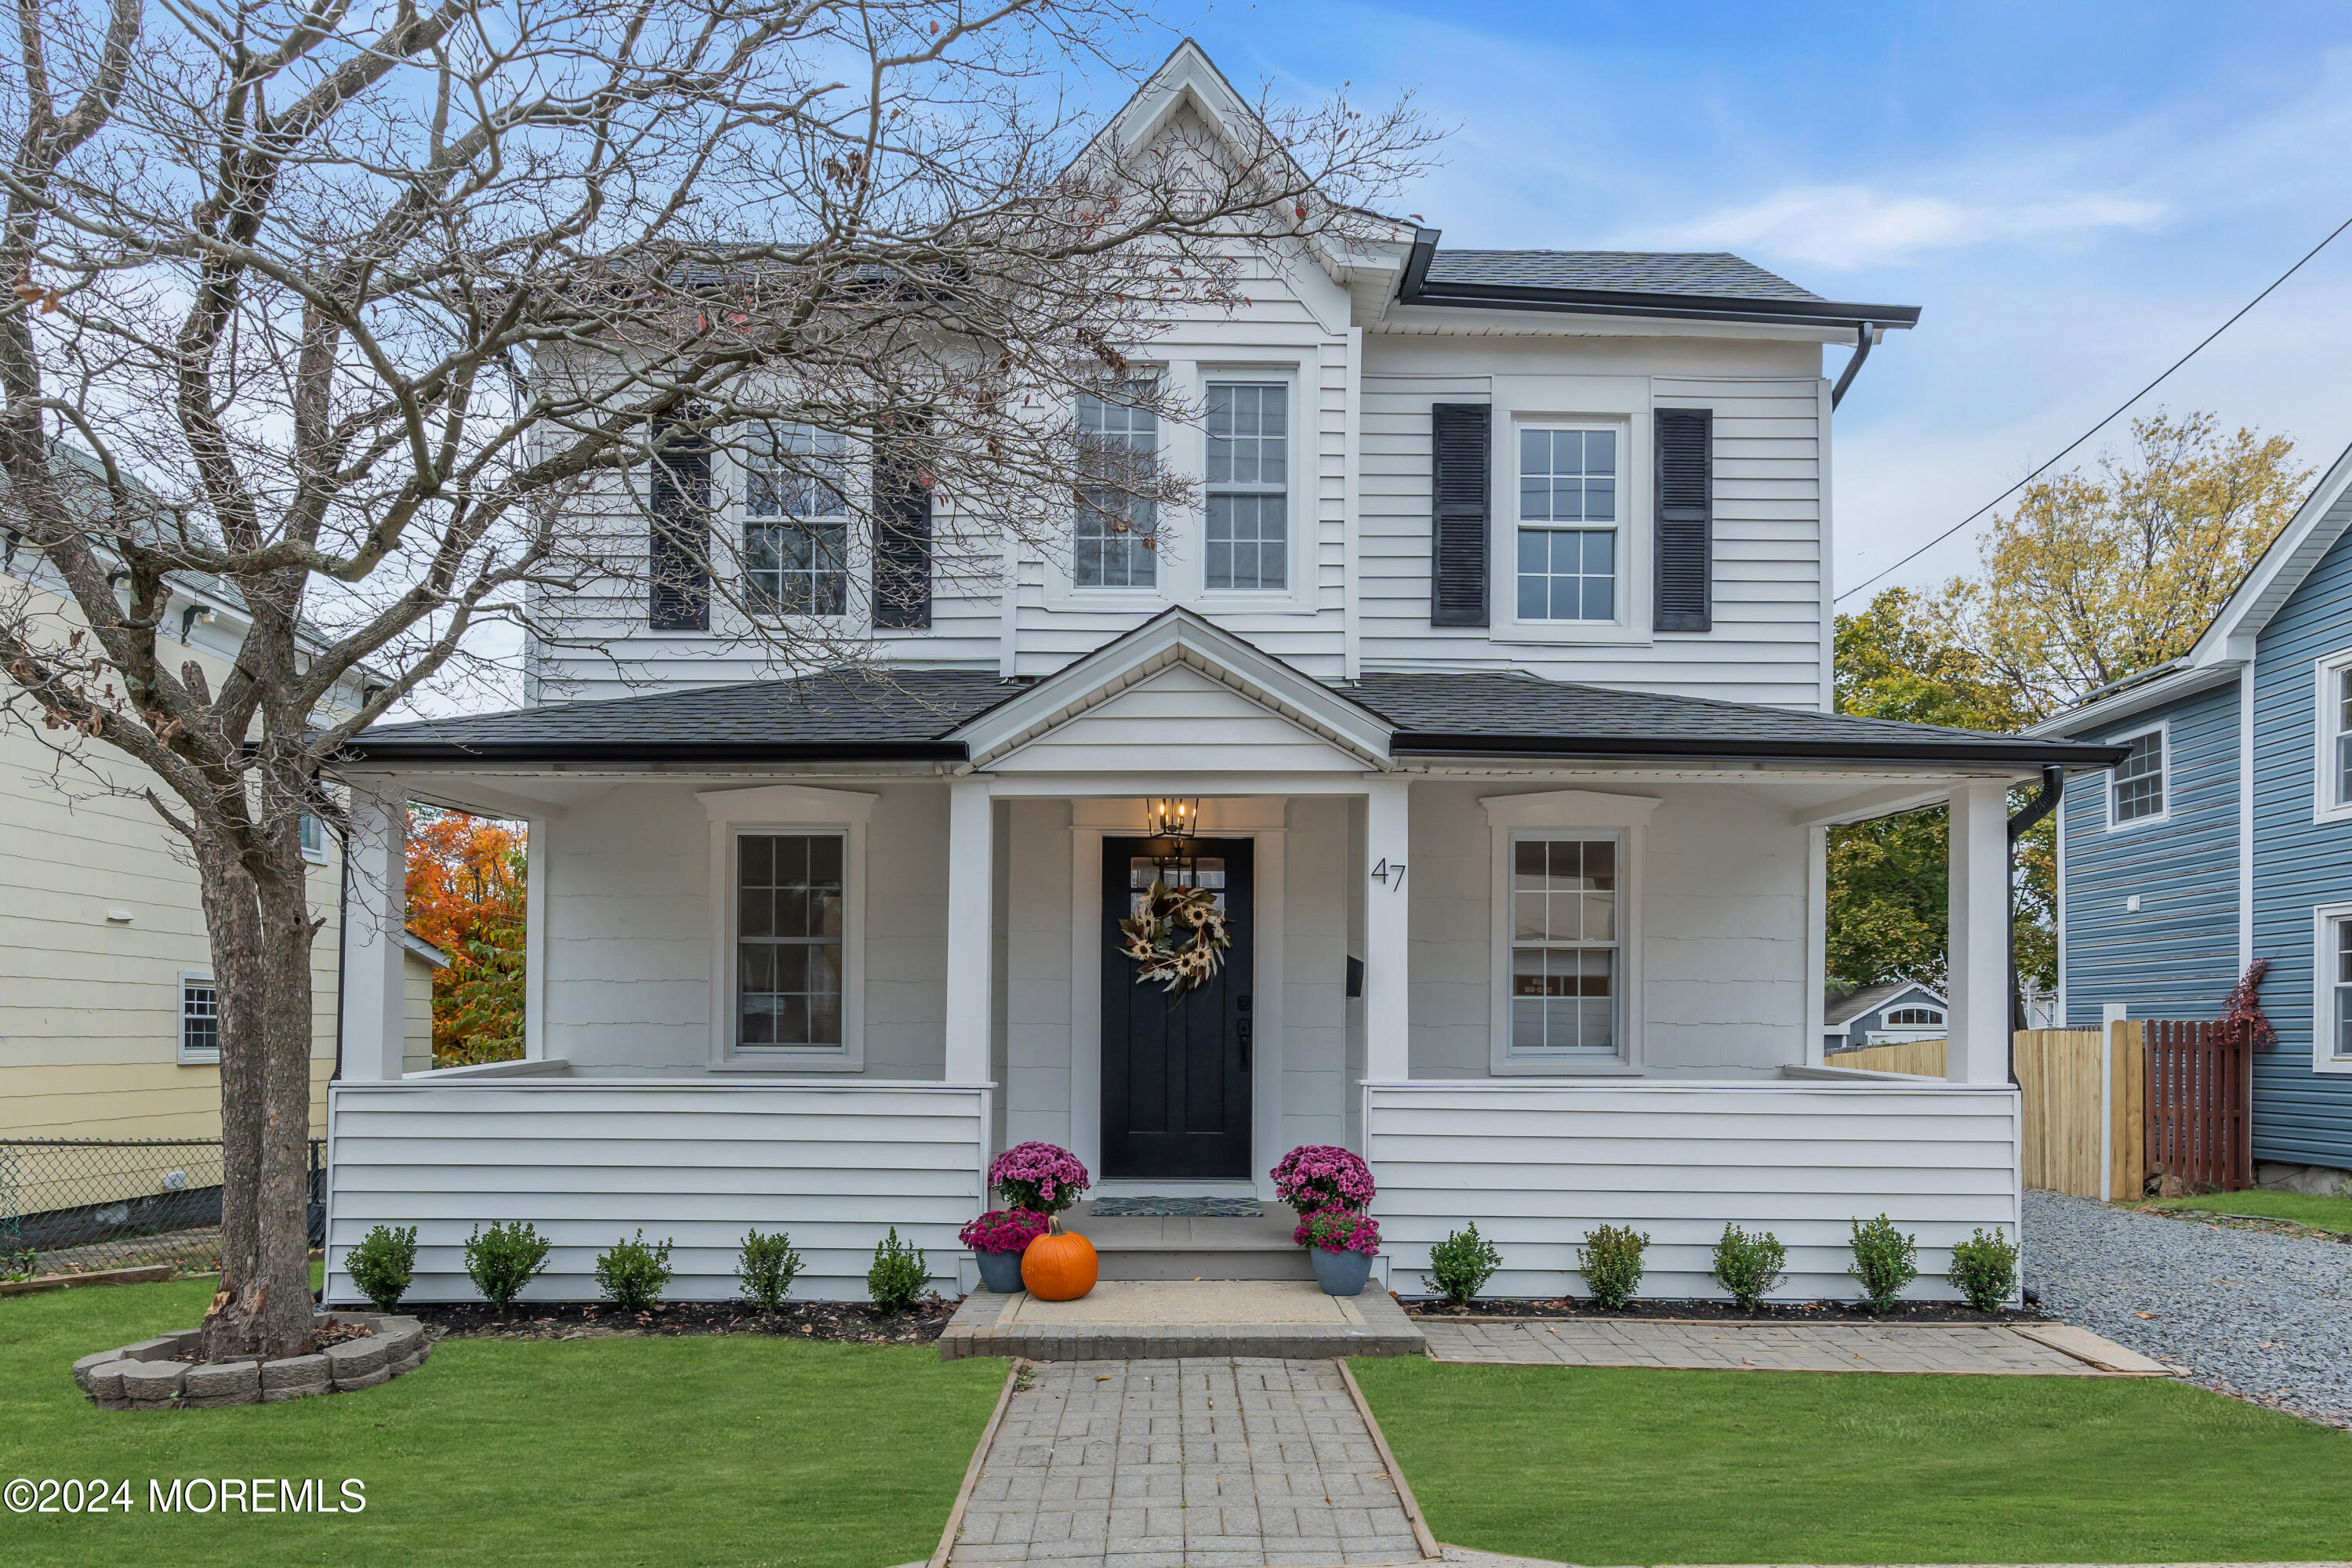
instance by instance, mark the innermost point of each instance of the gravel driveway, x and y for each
(2265, 1317)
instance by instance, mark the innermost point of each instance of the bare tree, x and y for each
(359, 310)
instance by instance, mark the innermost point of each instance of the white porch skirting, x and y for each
(1538, 1165)
(589, 1163)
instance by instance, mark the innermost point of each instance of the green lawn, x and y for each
(1588, 1465)
(2302, 1208)
(613, 1451)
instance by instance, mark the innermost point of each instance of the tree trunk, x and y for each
(261, 938)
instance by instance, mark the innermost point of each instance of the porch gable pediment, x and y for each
(1178, 694)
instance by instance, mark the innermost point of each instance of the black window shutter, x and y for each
(678, 586)
(1685, 486)
(902, 539)
(1460, 437)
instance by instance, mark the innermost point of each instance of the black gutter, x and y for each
(1863, 336)
(360, 752)
(1993, 751)
(1414, 287)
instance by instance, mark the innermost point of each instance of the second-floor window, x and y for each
(2136, 789)
(1113, 539)
(1568, 546)
(796, 522)
(1247, 547)
(2340, 734)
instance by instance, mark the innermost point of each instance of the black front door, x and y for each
(1176, 1068)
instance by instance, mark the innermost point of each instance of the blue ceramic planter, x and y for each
(1000, 1270)
(1340, 1273)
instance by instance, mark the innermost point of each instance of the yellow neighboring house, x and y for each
(107, 1015)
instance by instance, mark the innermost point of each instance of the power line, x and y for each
(2103, 424)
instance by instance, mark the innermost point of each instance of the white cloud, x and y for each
(1847, 226)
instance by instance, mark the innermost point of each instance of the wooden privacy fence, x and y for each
(2199, 1086)
(2085, 1103)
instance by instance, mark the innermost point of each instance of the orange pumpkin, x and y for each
(1059, 1266)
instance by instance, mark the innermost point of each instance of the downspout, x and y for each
(2054, 787)
(1864, 336)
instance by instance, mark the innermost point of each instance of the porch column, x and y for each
(971, 843)
(375, 916)
(1388, 1031)
(1977, 1051)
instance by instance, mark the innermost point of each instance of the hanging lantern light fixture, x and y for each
(1173, 816)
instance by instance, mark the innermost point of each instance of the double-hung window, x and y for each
(2135, 787)
(2336, 713)
(797, 521)
(1247, 547)
(789, 899)
(1113, 539)
(2335, 965)
(1569, 548)
(1565, 945)
(199, 1019)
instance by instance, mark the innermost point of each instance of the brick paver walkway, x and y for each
(1209, 1463)
(1790, 1347)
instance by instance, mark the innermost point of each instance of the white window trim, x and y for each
(317, 857)
(2162, 730)
(2322, 989)
(1513, 815)
(2324, 671)
(186, 1057)
(1633, 504)
(730, 482)
(1304, 496)
(1062, 590)
(791, 808)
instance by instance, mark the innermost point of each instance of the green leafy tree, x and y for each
(2095, 575)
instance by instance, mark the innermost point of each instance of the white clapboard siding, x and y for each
(834, 1165)
(1536, 1166)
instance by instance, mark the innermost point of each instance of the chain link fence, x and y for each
(75, 1204)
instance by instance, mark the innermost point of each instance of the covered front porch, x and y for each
(817, 993)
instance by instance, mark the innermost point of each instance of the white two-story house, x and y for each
(1487, 689)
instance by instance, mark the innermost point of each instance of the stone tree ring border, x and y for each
(150, 1376)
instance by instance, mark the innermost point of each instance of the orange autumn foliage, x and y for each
(465, 896)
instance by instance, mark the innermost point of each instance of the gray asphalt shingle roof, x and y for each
(1715, 275)
(912, 713)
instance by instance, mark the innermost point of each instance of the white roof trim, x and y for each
(1172, 638)
(424, 950)
(1188, 75)
(1842, 1012)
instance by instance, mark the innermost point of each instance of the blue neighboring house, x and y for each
(2226, 835)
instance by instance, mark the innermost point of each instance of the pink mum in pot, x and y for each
(1339, 1230)
(1321, 1177)
(1003, 1230)
(1042, 1178)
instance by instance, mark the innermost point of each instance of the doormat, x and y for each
(1178, 1208)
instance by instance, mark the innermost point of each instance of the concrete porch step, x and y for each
(1161, 1320)
(1190, 1248)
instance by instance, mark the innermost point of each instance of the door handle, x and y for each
(1246, 1044)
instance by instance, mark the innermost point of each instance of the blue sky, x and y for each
(2075, 193)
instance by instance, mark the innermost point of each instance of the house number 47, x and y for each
(1389, 874)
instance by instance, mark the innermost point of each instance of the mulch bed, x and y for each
(1721, 1312)
(850, 1323)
